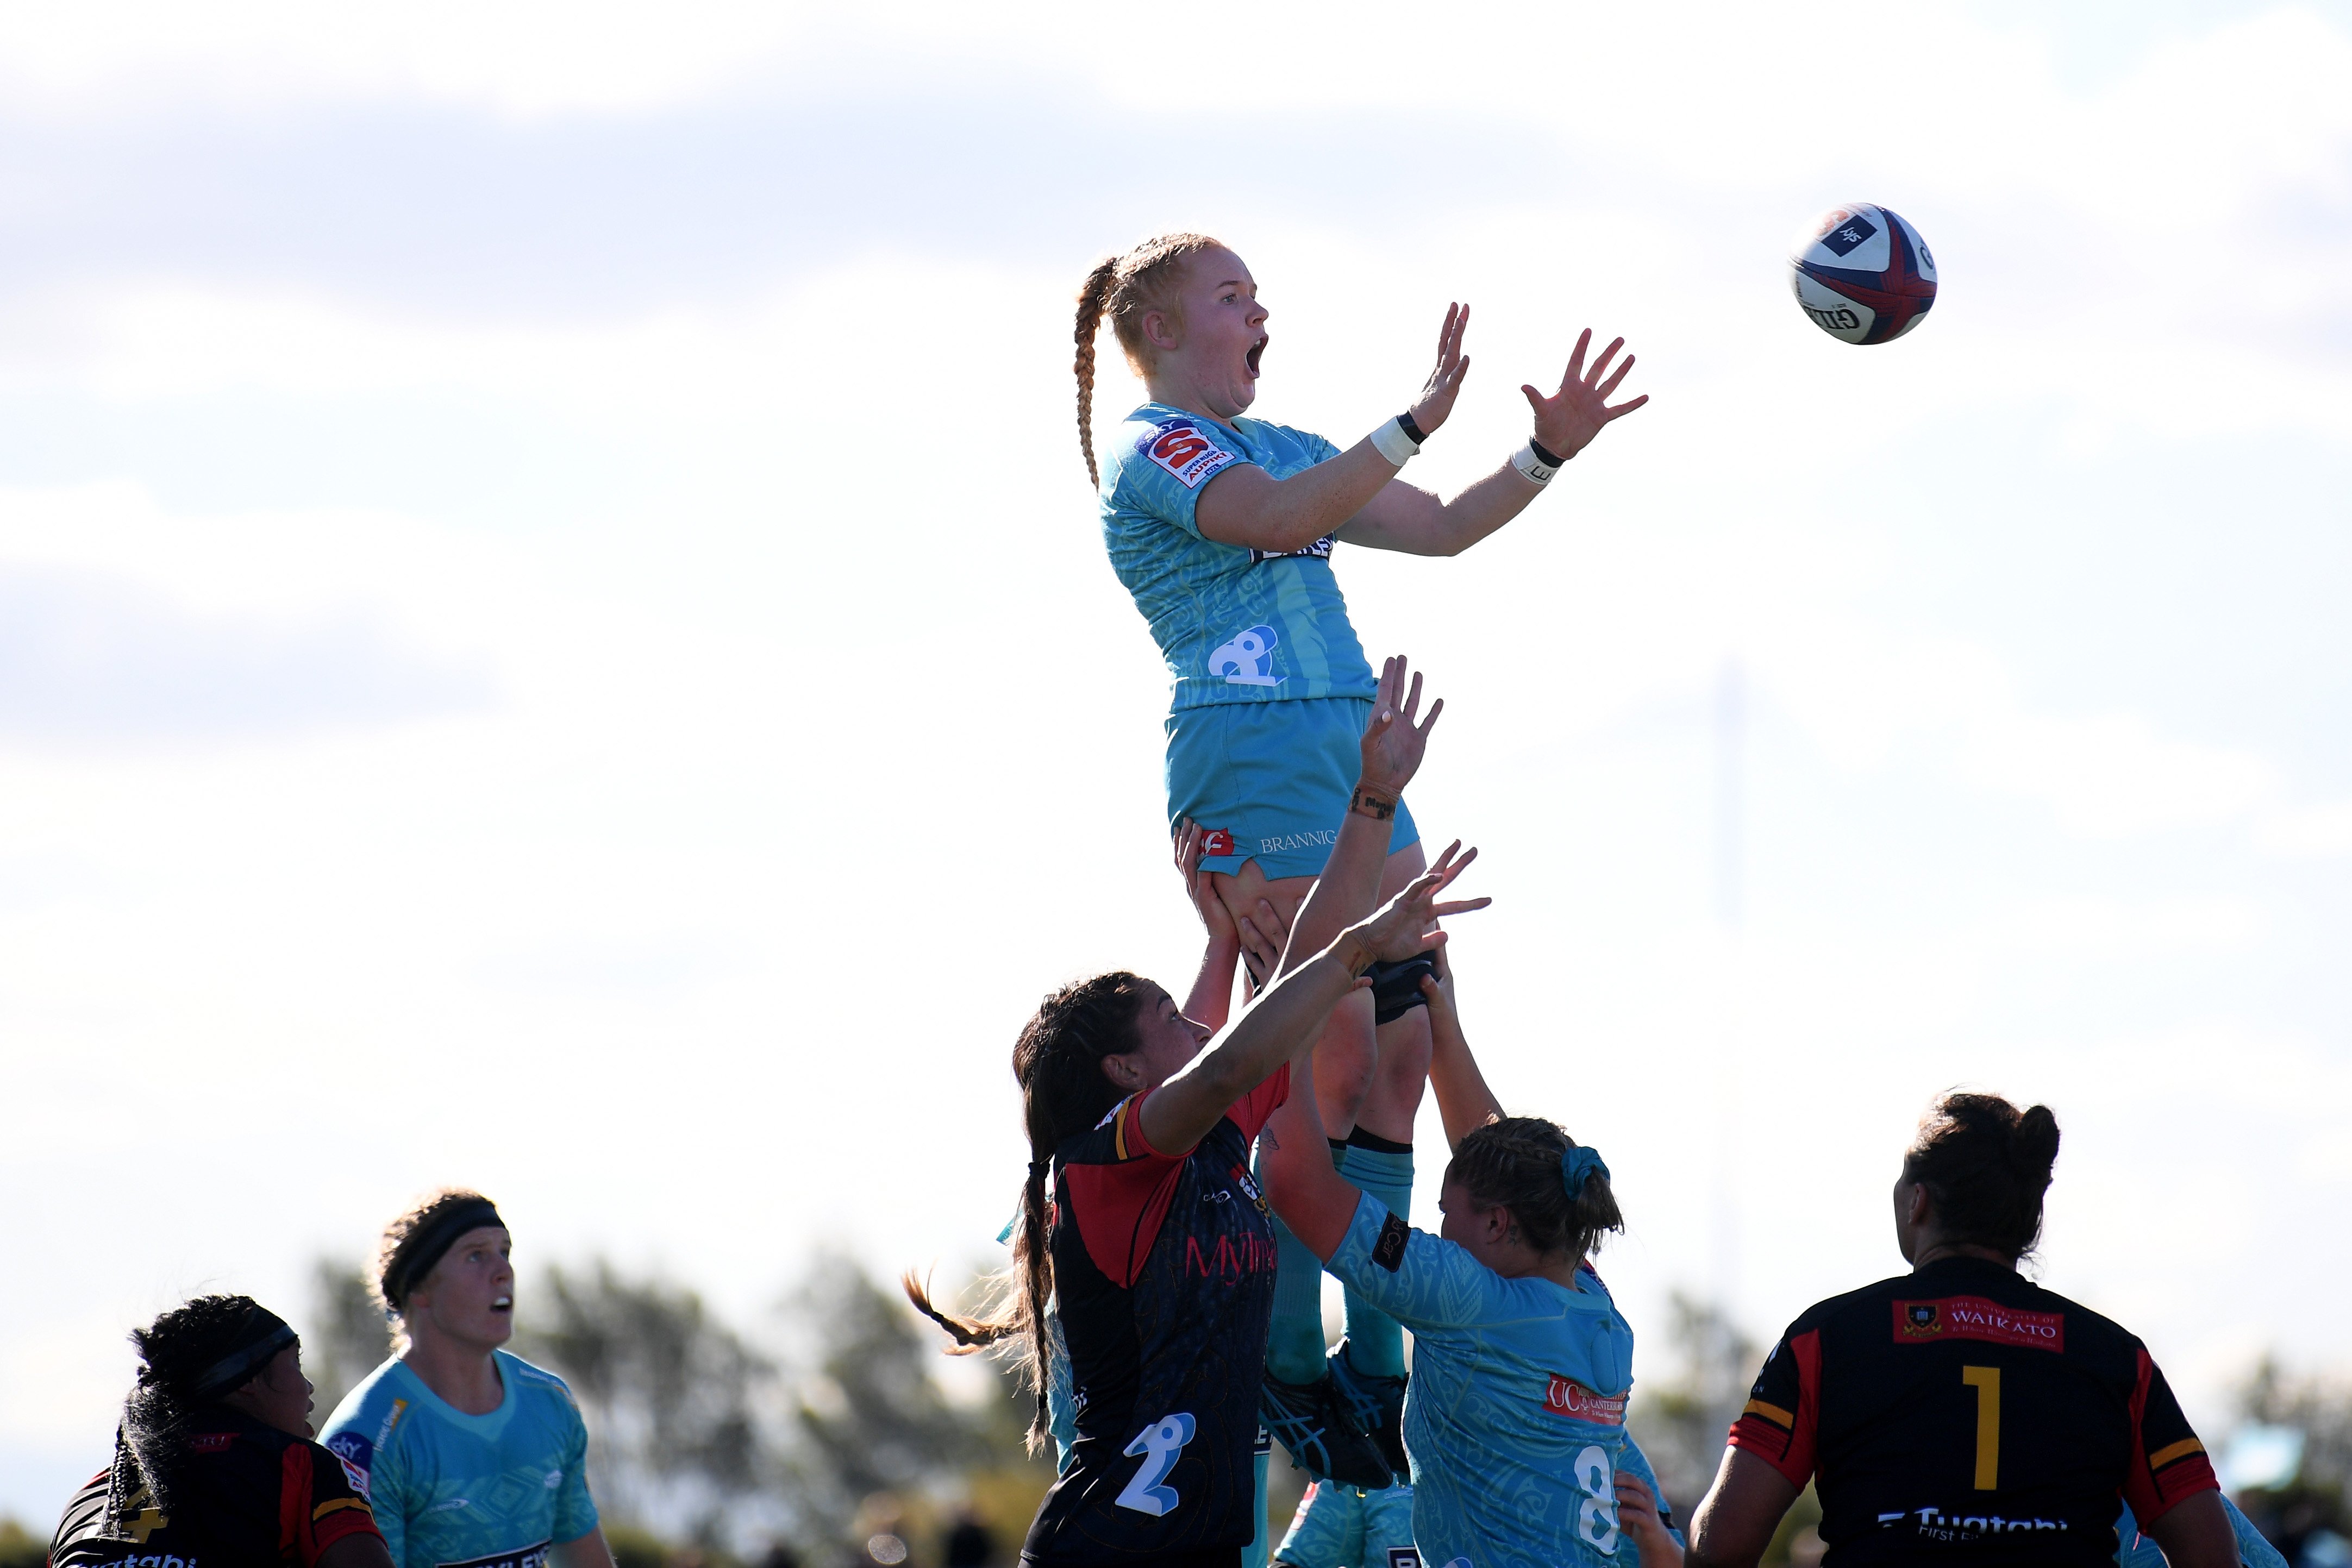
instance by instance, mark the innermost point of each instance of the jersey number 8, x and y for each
(1596, 1516)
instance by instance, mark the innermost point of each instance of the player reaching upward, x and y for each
(471, 1455)
(1156, 1251)
(1522, 1365)
(1960, 1412)
(1222, 527)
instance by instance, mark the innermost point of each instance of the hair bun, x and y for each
(2033, 1146)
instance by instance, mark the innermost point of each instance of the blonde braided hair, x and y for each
(1123, 287)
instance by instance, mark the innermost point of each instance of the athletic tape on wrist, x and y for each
(1537, 465)
(1393, 443)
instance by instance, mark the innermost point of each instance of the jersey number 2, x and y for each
(1986, 1381)
(1159, 1444)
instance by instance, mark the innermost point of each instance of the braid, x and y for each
(1123, 287)
(1058, 1061)
(1091, 300)
(1515, 1162)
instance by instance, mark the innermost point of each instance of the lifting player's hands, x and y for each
(1393, 743)
(1260, 933)
(1409, 924)
(1637, 1517)
(1436, 400)
(1567, 420)
(1437, 990)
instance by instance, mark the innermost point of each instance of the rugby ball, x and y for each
(1863, 274)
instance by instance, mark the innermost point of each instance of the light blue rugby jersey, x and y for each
(1234, 625)
(1515, 1420)
(448, 1488)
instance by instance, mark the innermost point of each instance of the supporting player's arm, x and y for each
(1391, 754)
(1244, 505)
(1736, 1522)
(1465, 1103)
(1230, 940)
(363, 1549)
(1285, 1022)
(587, 1550)
(2194, 1532)
(1404, 517)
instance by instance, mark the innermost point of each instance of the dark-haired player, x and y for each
(213, 1462)
(472, 1456)
(1960, 1413)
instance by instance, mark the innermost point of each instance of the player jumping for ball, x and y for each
(1222, 527)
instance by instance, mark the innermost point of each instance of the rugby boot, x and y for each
(1377, 1403)
(1310, 1421)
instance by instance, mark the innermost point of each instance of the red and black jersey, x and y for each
(247, 1494)
(1163, 1281)
(1961, 1413)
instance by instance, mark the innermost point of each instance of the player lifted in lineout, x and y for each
(1222, 527)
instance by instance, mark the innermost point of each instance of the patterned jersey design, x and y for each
(1514, 1423)
(1234, 626)
(1964, 1414)
(1163, 1283)
(251, 1494)
(454, 1489)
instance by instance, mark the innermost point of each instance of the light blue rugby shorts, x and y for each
(1272, 779)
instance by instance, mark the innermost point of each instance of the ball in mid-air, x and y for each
(1863, 274)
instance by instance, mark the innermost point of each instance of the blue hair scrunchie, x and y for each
(1579, 1165)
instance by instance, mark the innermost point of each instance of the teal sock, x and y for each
(1294, 1347)
(1375, 1343)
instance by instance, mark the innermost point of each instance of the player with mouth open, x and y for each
(471, 1456)
(1222, 527)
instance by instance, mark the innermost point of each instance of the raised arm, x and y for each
(1285, 1022)
(1465, 1103)
(1301, 1183)
(1390, 754)
(1404, 517)
(1244, 505)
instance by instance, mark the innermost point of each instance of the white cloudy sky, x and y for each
(552, 633)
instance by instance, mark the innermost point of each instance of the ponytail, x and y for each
(1058, 1062)
(1123, 287)
(1986, 1166)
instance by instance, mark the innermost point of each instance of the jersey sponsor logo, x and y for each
(1159, 1446)
(356, 1453)
(1217, 841)
(1242, 1179)
(1323, 838)
(1246, 658)
(531, 1556)
(1319, 550)
(1973, 1317)
(1178, 446)
(1389, 1250)
(1233, 1256)
(212, 1442)
(1566, 1396)
(1937, 1525)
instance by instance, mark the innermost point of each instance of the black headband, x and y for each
(426, 1245)
(251, 1346)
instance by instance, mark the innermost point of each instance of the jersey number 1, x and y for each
(1986, 1381)
(1159, 1444)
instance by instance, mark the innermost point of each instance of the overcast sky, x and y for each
(553, 635)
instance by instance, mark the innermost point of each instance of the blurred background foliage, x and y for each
(823, 1435)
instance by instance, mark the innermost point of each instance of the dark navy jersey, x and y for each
(247, 1493)
(1962, 1414)
(1163, 1283)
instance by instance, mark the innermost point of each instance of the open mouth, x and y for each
(502, 1304)
(1251, 359)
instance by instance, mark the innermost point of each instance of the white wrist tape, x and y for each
(1538, 471)
(1394, 443)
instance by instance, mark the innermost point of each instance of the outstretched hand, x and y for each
(1567, 420)
(1409, 924)
(1393, 743)
(1190, 841)
(1436, 400)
